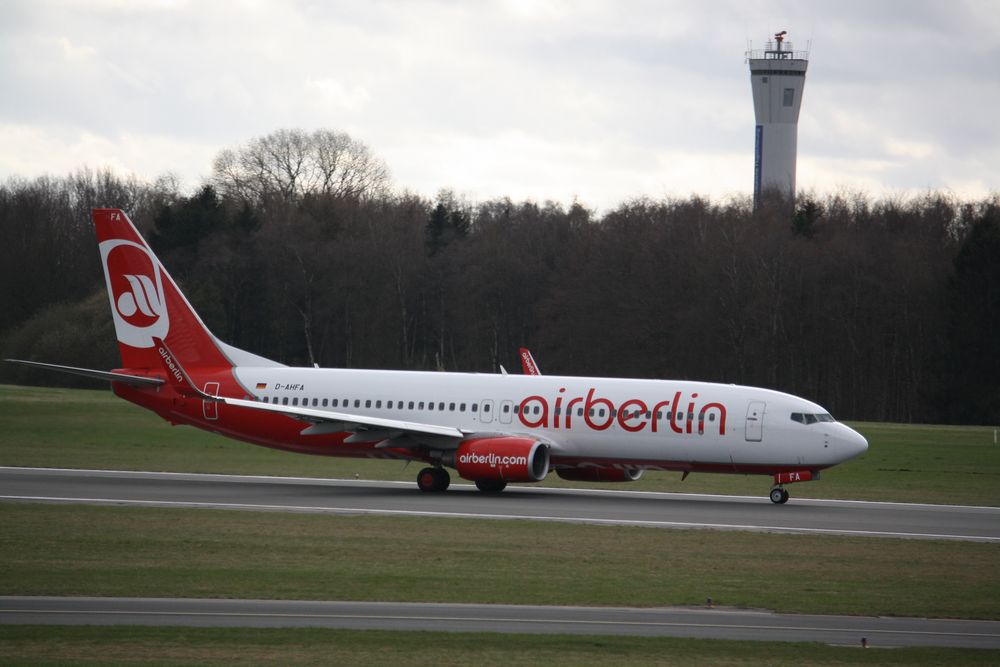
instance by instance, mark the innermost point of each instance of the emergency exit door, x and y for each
(755, 421)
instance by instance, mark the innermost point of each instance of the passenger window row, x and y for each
(440, 406)
(346, 403)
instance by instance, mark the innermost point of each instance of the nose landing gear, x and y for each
(779, 496)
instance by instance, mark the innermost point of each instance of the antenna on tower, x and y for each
(746, 34)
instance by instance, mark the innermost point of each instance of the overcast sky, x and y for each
(546, 99)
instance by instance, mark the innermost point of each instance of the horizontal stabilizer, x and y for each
(133, 380)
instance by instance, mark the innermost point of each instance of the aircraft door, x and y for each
(486, 411)
(755, 421)
(506, 411)
(211, 408)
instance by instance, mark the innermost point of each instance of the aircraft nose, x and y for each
(855, 443)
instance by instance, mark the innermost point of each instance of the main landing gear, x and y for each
(779, 496)
(433, 480)
(491, 485)
(436, 480)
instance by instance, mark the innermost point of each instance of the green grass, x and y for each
(94, 429)
(54, 645)
(114, 551)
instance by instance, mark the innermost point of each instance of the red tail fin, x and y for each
(146, 303)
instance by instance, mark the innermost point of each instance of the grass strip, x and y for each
(127, 645)
(108, 551)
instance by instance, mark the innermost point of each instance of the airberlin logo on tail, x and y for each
(135, 287)
(143, 298)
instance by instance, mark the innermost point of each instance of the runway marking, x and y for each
(533, 489)
(526, 517)
(495, 619)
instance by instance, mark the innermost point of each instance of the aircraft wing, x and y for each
(396, 433)
(323, 421)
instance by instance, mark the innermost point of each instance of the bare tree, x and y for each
(291, 164)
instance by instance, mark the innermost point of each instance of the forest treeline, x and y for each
(298, 250)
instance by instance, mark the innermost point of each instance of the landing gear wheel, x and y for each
(779, 496)
(491, 485)
(433, 480)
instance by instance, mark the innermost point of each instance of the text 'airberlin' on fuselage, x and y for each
(632, 415)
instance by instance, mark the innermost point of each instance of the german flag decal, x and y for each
(262, 385)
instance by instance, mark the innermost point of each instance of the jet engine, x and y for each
(508, 459)
(595, 474)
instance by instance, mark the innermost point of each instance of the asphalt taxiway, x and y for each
(659, 622)
(661, 510)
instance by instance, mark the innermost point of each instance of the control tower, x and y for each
(777, 76)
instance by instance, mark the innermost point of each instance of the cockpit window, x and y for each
(808, 418)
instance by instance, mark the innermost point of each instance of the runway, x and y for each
(662, 622)
(661, 510)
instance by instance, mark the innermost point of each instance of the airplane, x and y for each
(492, 429)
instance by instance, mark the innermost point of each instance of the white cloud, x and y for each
(914, 150)
(73, 52)
(31, 151)
(332, 94)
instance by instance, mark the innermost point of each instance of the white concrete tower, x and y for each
(777, 76)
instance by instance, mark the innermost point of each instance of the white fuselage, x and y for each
(634, 422)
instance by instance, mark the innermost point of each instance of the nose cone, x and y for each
(852, 443)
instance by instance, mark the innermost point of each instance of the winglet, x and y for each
(528, 364)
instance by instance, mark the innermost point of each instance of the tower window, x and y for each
(789, 97)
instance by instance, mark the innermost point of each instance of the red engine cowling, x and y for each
(600, 474)
(511, 459)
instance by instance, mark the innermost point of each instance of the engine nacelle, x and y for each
(510, 459)
(600, 474)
